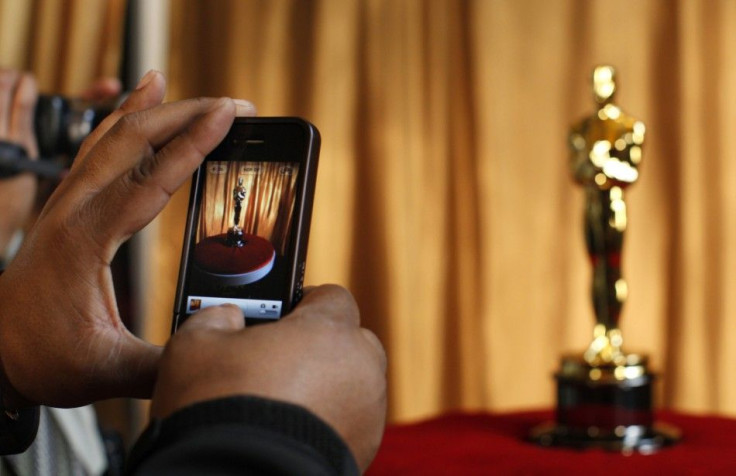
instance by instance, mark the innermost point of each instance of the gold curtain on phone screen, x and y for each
(270, 193)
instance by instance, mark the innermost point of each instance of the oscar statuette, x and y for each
(235, 233)
(604, 396)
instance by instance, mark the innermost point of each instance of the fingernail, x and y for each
(146, 79)
(244, 108)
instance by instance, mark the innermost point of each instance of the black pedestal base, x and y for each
(235, 237)
(625, 439)
(607, 407)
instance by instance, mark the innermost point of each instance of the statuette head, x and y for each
(604, 84)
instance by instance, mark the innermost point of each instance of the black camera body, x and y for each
(62, 123)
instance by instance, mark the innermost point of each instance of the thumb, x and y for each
(226, 317)
(142, 360)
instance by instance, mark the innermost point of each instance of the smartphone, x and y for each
(247, 227)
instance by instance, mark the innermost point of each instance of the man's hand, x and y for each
(18, 96)
(317, 357)
(63, 343)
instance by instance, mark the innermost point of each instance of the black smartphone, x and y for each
(247, 226)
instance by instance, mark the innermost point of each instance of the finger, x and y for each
(149, 93)
(245, 108)
(139, 193)
(102, 89)
(328, 302)
(142, 134)
(21, 118)
(226, 317)
(8, 79)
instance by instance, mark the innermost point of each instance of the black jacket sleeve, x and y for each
(17, 428)
(241, 435)
(18, 431)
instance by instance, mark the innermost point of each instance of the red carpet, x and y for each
(480, 444)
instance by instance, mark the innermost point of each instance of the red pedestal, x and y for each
(213, 255)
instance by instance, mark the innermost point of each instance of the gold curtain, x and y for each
(270, 194)
(66, 45)
(444, 201)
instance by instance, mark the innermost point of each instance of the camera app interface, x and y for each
(243, 237)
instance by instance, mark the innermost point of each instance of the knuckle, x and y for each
(140, 174)
(129, 127)
(339, 296)
(128, 123)
(330, 305)
(142, 177)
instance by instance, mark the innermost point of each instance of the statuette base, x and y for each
(607, 407)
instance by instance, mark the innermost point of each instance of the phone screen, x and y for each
(246, 237)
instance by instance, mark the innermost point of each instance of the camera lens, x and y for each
(62, 123)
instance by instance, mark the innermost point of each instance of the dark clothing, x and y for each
(18, 432)
(233, 435)
(241, 435)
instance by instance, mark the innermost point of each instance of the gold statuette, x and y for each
(606, 150)
(604, 398)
